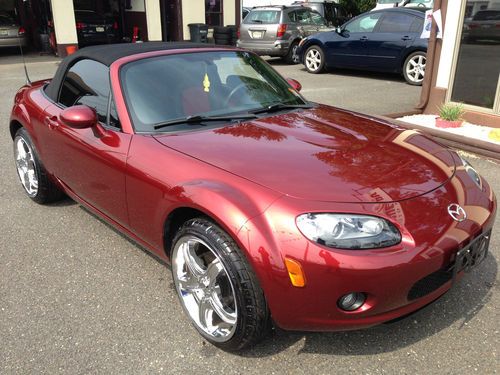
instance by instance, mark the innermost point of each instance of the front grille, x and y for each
(430, 283)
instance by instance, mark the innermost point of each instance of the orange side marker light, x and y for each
(295, 272)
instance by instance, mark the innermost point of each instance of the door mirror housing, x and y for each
(79, 117)
(295, 84)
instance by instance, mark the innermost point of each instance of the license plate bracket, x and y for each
(471, 255)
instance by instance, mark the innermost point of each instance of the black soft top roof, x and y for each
(109, 53)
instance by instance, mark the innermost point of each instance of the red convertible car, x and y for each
(268, 207)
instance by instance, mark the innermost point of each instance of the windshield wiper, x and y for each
(200, 119)
(279, 107)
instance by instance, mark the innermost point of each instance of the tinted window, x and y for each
(317, 19)
(396, 23)
(263, 16)
(363, 24)
(87, 83)
(417, 25)
(6, 20)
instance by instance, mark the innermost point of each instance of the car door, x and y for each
(302, 18)
(395, 32)
(349, 49)
(88, 161)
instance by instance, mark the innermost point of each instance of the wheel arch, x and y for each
(14, 126)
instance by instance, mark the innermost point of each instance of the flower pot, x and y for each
(443, 124)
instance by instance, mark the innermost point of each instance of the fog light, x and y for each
(351, 301)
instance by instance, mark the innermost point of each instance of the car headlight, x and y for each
(346, 231)
(472, 173)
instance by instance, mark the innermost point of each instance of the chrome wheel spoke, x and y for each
(205, 289)
(191, 260)
(26, 166)
(226, 316)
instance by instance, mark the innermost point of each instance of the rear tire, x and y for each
(290, 57)
(414, 68)
(216, 286)
(31, 172)
(314, 60)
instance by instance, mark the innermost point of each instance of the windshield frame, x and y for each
(116, 71)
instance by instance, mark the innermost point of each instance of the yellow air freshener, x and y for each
(206, 83)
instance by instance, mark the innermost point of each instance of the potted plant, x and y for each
(450, 116)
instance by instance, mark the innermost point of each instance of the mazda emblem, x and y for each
(457, 212)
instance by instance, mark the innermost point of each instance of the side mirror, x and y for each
(294, 83)
(79, 117)
(339, 30)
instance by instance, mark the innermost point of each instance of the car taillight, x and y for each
(80, 25)
(21, 31)
(281, 30)
(238, 33)
(115, 25)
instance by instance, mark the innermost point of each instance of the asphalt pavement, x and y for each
(77, 297)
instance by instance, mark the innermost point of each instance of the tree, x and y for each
(356, 7)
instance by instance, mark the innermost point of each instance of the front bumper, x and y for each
(431, 239)
(277, 48)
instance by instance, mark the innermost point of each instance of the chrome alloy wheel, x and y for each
(26, 167)
(415, 68)
(313, 59)
(205, 288)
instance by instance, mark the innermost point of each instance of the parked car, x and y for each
(277, 30)
(484, 25)
(332, 12)
(94, 28)
(11, 34)
(386, 40)
(266, 206)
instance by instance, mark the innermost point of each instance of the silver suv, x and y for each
(277, 30)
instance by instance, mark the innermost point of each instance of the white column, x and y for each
(229, 12)
(64, 21)
(193, 11)
(153, 19)
(450, 36)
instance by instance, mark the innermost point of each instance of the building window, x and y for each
(477, 72)
(213, 12)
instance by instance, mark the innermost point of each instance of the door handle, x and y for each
(51, 122)
(406, 37)
(363, 38)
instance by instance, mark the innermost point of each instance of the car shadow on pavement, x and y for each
(458, 307)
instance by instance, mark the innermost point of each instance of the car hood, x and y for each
(323, 154)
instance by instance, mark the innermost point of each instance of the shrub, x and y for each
(451, 112)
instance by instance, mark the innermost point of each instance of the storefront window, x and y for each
(478, 64)
(213, 12)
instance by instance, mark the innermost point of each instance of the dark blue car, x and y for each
(386, 40)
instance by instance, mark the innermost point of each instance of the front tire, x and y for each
(414, 68)
(217, 289)
(314, 60)
(32, 174)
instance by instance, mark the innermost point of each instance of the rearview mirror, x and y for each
(79, 117)
(294, 83)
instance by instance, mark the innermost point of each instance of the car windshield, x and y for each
(216, 83)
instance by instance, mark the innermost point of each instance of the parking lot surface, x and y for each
(77, 297)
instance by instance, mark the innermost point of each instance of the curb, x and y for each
(475, 146)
